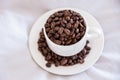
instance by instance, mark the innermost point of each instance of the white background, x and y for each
(16, 19)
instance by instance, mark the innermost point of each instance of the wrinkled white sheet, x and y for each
(16, 19)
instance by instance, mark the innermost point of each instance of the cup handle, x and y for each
(93, 33)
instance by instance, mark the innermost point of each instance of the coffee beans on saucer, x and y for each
(65, 27)
(57, 60)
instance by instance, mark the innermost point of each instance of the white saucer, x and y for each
(96, 45)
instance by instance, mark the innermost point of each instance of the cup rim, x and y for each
(70, 44)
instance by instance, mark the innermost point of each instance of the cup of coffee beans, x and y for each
(66, 31)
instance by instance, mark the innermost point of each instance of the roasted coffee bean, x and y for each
(74, 40)
(57, 23)
(68, 41)
(67, 31)
(48, 57)
(56, 28)
(81, 25)
(73, 36)
(63, 42)
(56, 35)
(42, 44)
(48, 64)
(81, 61)
(57, 42)
(56, 19)
(56, 14)
(49, 34)
(71, 21)
(88, 48)
(68, 18)
(78, 36)
(44, 50)
(62, 24)
(66, 13)
(60, 31)
(77, 30)
(52, 24)
(63, 61)
(57, 63)
(51, 31)
(47, 29)
(64, 21)
(87, 42)
(82, 33)
(70, 61)
(52, 16)
(76, 25)
(69, 25)
(81, 20)
(47, 25)
(49, 20)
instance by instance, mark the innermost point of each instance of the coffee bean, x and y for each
(70, 61)
(81, 25)
(71, 21)
(57, 42)
(62, 24)
(76, 25)
(81, 61)
(57, 23)
(81, 20)
(52, 24)
(56, 14)
(56, 35)
(77, 30)
(87, 42)
(49, 34)
(47, 29)
(68, 18)
(74, 40)
(66, 13)
(63, 61)
(52, 16)
(60, 31)
(51, 31)
(48, 64)
(69, 25)
(67, 31)
(49, 20)
(88, 48)
(57, 63)
(56, 19)
(78, 36)
(56, 28)
(44, 50)
(82, 33)
(47, 25)
(68, 41)
(48, 57)
(64, 21)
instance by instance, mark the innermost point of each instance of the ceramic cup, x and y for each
(69, 50)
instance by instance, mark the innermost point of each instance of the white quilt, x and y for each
(16, 20)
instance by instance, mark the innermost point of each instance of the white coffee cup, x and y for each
(69, 50)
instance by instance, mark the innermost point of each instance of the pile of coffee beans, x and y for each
(57, 60)
(65, 27)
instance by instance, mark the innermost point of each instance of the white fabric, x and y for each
(16, 19)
